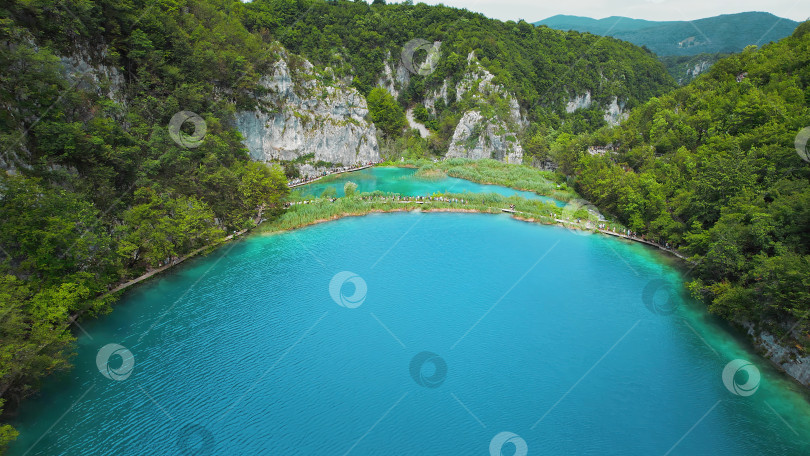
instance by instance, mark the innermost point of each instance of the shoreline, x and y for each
(566, 199)
(515, 215)
(562, 223)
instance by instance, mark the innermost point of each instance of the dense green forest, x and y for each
(712, 169)
(95, 190)
(684, 69)
(725, 33)
(683, 44)
(544, 68)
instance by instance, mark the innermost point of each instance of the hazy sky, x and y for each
(658, 10)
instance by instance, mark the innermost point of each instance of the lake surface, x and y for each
(404, 182)
(312, 342)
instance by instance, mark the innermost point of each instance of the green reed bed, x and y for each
(321, 209)
(520, 177)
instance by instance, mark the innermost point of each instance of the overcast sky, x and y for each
(657, 10)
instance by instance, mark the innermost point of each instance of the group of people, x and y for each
(632, 234)
(338, 169)
(406, 199)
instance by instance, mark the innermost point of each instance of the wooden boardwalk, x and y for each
(611, 233)
(169, 265)
(330, 174)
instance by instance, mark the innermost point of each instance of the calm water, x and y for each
(534, 330)
(403, 181)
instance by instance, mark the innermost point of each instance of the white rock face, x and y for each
(699, 68)
(477, 138)
(107, 81)
(302, 115)
(394, 80)
(614, 114)
(413, 123)
(788, 358)
(430, 100)
(579, 102)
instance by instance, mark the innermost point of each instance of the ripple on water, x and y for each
(544, 334)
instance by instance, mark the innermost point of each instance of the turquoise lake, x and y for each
(312, 342)
(404, 182)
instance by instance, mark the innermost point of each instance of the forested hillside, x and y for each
(720, 34)
(545, 69)
(101, 182)
(713, 169)
(687, 48)
(94, 190)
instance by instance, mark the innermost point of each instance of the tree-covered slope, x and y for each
(726, 33)
(96, 187)
(606, 26)
(93, 189)
(545, 69)
(713, 169)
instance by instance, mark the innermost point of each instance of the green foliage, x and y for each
(726, 33)
(386, 113)
(329, 192)
(160, 227)
(543, 68)
(712, 169)
(96, 191)
(349, 188)
(494, 172)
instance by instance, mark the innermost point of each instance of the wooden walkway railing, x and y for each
(330, 174)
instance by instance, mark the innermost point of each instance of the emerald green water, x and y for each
(314, 341)
(404, 182)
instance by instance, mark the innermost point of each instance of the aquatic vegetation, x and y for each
(519, 177)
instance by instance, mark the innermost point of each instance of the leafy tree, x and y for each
(349, 188)
(386, 113)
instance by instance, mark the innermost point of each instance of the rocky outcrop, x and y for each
(301, 114)
(492, 128)
(395, 78)
(476, 137)
(698, 69)
(80, 69)
(579, 102)
(789, 359)
(615, 113)
(414, 124)
(439, 94)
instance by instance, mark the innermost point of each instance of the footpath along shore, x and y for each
(396, 207)
(339, 170)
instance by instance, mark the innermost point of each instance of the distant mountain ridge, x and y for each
(726, 33)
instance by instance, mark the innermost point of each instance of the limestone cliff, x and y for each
(615, 111)
(308, 113)
(492, 122)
